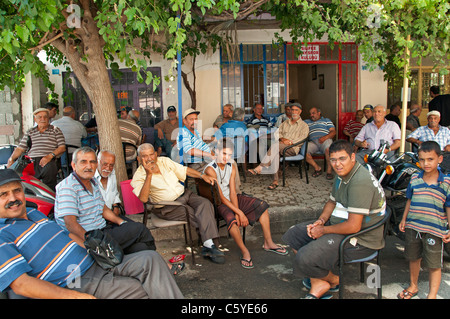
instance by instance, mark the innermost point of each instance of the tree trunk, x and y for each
(86, 58)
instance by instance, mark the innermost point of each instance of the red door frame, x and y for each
(343, 117)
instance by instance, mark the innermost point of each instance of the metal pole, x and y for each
(405, 98)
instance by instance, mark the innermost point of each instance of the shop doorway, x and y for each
(315, 85)
(326, 77)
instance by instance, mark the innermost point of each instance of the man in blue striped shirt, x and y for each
(79, 207)
(321, 134)
(40, 260)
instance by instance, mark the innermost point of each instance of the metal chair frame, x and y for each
(376, 255)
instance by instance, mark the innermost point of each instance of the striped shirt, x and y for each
(73, 199)
(424, 133)
(130, 132)
(43, 143)
(427, 210)
(40, 248)
(262, 122)
(319, 128)
(191, 141)
(353, 127)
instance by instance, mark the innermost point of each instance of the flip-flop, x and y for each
(272, 186)
(307, 283)
(253, 171)
(311, 296)
(177, 259)
(280, 250)
(406, 294)
(249, 262)
(317, 173)
(176, 269)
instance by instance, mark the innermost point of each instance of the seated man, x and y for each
(394, 111)
(368, 113)
(73, 130)
(321, 134)
(289, 133)
(413, 121)
(235, 128)
(38, 260)
(226, 115)
(105, 176)
(432, 132)
(44, 144)
(130, 132)
(352, 128)
(356, 202)
(258, 120)
(370, 136)
(79, 207)
(196, 153)
(165, 138)
(158, 179)
(237, 209)
(285, 116)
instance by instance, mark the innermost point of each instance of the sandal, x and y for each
(176, 269)
(329, 176)
(317, 173)
(307, 283)
(311, 296)
(406, 294)
(279, 250)
(247, 264)
(272, 186)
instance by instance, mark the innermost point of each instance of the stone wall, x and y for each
(10, 117)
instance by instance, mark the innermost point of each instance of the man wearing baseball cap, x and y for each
(433, 131)
(44, 143)
(368, 113)
(165, 139)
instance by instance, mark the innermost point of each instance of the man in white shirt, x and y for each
(106, 177)
(73, 130)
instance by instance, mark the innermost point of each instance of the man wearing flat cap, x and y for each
(432, 132)
(44, 144)
(289, 133)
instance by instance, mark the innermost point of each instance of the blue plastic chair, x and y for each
(299, 158)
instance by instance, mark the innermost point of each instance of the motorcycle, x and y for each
(394, 176)
(37, 194)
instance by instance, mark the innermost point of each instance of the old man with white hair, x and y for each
(433, 131)
(371, 135)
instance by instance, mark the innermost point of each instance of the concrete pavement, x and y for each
(272, 277)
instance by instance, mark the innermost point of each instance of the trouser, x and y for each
(315, 258)
(131, 236)
(142, 275)
(164, 143)
(271, 162)
(201, 214)
(48, 173)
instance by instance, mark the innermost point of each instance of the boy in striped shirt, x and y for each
(425, 220)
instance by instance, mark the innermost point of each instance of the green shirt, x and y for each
(360, 193)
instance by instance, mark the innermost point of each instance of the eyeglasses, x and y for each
(341, 159)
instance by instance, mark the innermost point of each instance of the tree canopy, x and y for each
(92, 36)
